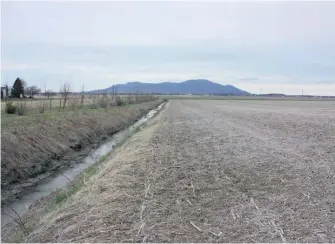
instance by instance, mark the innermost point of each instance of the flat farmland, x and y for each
(211, 171)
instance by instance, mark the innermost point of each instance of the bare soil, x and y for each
(211, 171)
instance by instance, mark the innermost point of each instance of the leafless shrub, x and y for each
(41, 108)
(22, 108)
(49, 94)
(114, 92)
(103, 101)
(95, 101)
(111, 99)
(82, 97)
(65, 92)
(129, 99)
(137, 97)
(31, 91)
(74, 103)
(60, 104)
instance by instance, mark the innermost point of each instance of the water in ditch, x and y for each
(61, 177)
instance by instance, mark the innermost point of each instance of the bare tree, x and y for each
(114, 92)
(32, 90)
(65, 91)
(50, 93)
(82, 97)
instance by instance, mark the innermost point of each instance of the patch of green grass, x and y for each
(61, 196)
(94, 169)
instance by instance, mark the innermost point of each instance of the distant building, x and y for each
(4, 92)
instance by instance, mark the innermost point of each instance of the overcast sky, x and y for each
(274, 46)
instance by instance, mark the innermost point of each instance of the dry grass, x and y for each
(34, 148)
(208, 171)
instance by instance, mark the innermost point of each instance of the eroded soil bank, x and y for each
(32, 152)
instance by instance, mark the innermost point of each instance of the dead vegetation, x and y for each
(210, 172)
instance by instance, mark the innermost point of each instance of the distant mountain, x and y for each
(199, 87)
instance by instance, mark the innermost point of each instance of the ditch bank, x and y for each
(32, 153)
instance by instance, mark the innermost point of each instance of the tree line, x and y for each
(21, 90)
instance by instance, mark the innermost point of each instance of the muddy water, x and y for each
(61, 178)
